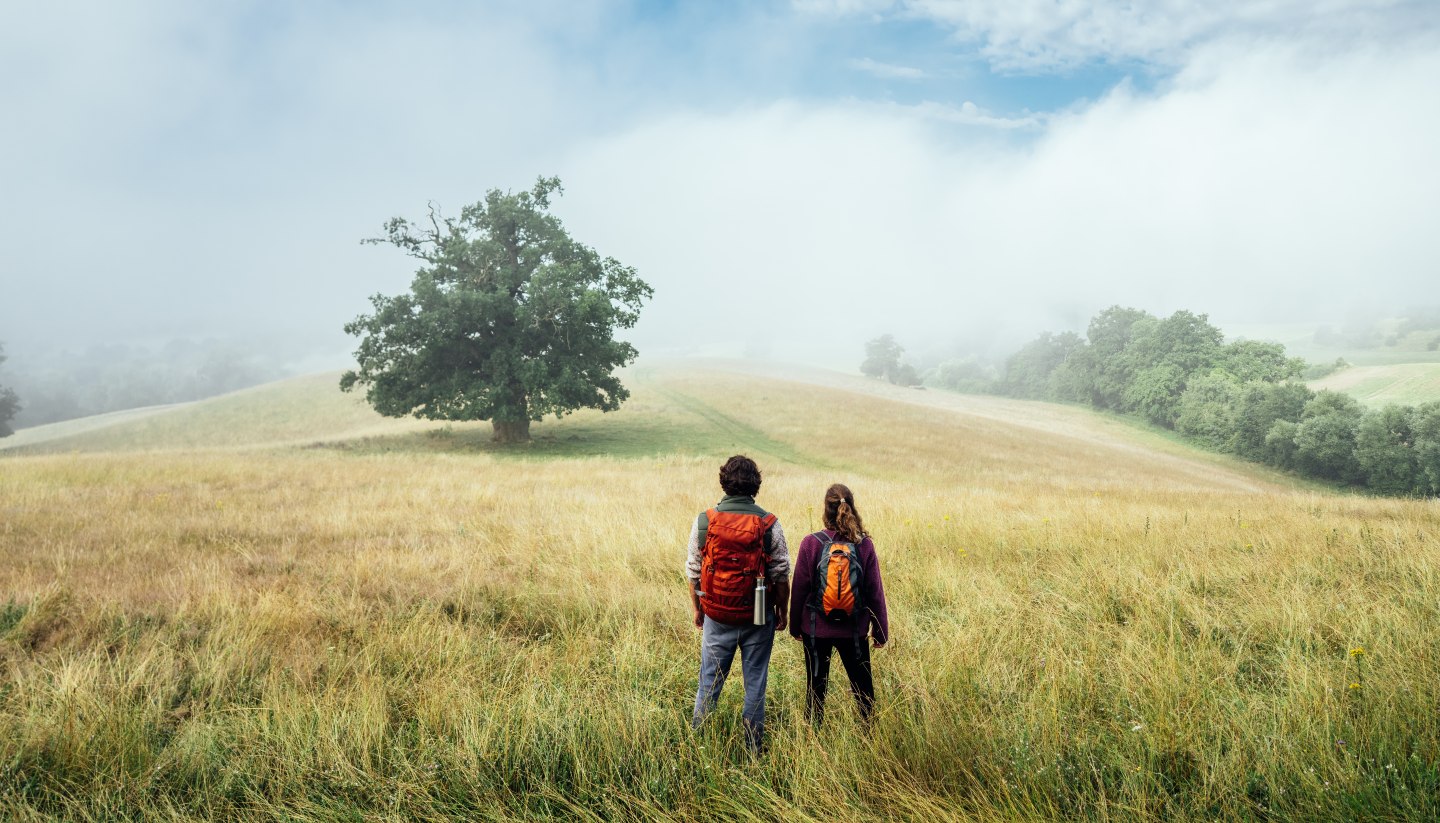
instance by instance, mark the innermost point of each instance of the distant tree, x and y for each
(1155, 393)
(1279, 447)
(882, 358)
(9, 403)
(1104, 371)
(1315, 371)
(1325, 437)
(1030, 372)
(1385, 451)
(1160, 359)
(1207, 409)
(1251, 360)
(508, 320)
(905, 375)
(963, 375)
(1259, 406)
(1426, 427)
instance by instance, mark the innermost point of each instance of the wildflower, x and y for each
(1339, 744)
(1357, 652)
(1354, 687)
(1137, 727)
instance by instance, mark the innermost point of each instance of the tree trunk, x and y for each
(511, 431)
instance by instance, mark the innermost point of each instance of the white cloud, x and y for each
(1261, 185)
(1049, 35)
(888, 71)
(969, 114)
(166, 174)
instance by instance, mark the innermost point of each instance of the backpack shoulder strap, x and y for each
(825, 539)
(766, 539)
(703, 524)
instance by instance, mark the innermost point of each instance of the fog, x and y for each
(791, 178)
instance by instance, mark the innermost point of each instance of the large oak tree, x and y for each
(508, 320)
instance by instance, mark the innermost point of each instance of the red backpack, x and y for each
(736, 552)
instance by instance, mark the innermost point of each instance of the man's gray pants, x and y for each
(718, 643)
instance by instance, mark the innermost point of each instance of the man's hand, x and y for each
(695, 604)
(781, 605)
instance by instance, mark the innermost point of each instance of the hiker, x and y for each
(837, 603)
(735, 549)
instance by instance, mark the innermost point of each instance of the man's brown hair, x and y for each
(740, 475)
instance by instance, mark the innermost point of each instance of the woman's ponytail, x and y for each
(841, 516)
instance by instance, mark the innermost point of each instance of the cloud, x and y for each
(888, 71)
(171, 172)
(1055, 35)
(1259, 185)
(968, 114)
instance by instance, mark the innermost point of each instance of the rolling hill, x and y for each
(277, 605)
(707, 409)
(1406, 384)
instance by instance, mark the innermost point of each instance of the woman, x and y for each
(837, 602)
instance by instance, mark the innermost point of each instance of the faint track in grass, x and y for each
(744, 433)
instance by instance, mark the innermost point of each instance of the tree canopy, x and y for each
(508, 319)
(882, 359)
(1242, 397)
(9, 403)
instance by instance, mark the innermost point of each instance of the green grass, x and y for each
(1090, 623)
(1299, 341)
(1409, 384)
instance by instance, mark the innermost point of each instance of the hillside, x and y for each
(298, 410)
(230, 611)
(710, 409)
(1406, 384)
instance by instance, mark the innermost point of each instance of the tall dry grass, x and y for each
(1084, 628)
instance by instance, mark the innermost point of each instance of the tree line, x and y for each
(63, 385)
(1243, 397)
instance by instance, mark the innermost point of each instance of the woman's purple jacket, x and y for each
(873, 618)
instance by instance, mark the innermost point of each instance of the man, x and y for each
(734, 546)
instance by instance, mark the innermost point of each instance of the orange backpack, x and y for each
(837, 580)
(736, 551)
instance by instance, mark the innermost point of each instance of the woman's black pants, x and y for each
(855, 655)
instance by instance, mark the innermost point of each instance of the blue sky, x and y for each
(971, 172)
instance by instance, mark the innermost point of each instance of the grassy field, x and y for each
(1409, 384)
(279, 606)
(1299, 341)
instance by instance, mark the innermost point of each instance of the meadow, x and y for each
(1405, 384)
(276, 605)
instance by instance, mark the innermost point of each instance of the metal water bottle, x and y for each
(761, 607)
